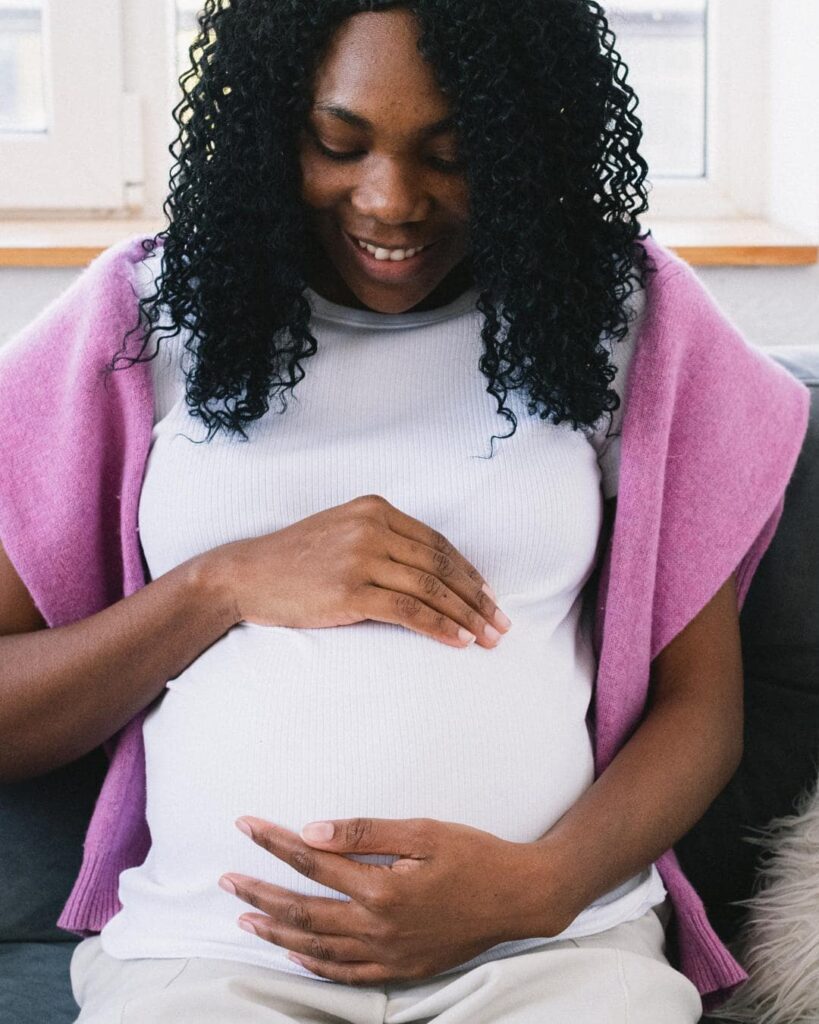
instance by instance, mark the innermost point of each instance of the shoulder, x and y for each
(673, 289)
(663, 261)
(135, 262)
(130, 251)
(146, 267)
(120, 266)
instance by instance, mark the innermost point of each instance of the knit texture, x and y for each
(711, 433)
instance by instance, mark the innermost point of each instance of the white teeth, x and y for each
(389, 254)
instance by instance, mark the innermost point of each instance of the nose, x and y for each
(392, 194)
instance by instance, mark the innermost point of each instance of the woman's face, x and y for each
(375, 99)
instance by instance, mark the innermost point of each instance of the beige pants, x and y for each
(620, 975)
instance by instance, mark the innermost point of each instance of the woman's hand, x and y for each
(455, 892)
(364, 559)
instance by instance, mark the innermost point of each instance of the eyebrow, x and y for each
(357, 121)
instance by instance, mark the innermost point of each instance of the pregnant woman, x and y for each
(504, 696)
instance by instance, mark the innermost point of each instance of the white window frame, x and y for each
(83, 70)
(131, 88)
(737, 179)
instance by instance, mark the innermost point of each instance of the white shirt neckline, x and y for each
(324, 309)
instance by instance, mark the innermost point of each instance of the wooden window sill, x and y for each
(735, 243)
(74, 243)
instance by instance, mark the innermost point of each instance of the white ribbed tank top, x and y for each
(373, 719)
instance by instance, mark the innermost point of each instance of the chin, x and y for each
(385, 297)
(381, 303)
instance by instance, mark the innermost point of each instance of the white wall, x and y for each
(771, 305)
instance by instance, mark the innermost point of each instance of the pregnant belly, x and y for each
(372, 720)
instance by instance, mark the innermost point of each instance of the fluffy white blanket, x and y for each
(779, 943)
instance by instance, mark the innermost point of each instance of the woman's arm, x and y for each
(63, 691)
(682, 755)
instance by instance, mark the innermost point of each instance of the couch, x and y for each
(43, 820)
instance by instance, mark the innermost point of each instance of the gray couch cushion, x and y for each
(36, 984)
(42, 829)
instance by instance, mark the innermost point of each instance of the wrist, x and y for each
(545, 907)
(212, 577)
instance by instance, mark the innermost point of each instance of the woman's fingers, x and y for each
(441, 581)
(446, 558)
(415, 598)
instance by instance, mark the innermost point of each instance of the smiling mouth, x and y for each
(361, 243)
(385, 269)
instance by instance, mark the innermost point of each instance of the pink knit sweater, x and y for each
(712, 429)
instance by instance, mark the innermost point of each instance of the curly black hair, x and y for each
(546, 126)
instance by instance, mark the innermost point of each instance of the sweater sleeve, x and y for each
(718, 428)
(70, 441)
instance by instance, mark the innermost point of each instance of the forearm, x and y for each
(63, 691)
(657, 787)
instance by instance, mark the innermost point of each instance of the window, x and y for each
(22, 69)
(664, 45)
(61, 104)
(701, 69)
(186, 28)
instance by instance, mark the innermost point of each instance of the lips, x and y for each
(387, 272)
(387, 245)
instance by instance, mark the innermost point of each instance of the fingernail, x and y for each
(465, 636)
(227, 885)
(244, 827)
(502, 620)
(247, 927)
(491, 634)
(487, 589)
(320, 830)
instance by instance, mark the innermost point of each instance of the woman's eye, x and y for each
(449, 166)
(335, 154)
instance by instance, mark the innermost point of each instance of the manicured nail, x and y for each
(465, 636)
(227, 885)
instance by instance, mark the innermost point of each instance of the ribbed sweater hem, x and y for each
(704, 958)
(95, 897)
